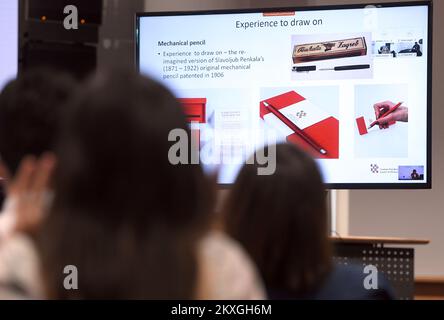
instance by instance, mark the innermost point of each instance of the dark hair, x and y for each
(30, 108)
(122, 214)
(281, 220)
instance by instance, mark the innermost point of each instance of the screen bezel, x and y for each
(354, 186)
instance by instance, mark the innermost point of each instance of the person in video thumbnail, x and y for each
(400, 114)
(414, 175)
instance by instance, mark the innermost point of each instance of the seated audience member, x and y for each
(133, 224)
(29, 118)
(281, 220)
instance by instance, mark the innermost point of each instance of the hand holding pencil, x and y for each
(384, 115)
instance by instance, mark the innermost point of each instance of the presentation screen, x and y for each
(9, 36)
(348, 84)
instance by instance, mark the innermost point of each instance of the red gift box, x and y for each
(194, 109)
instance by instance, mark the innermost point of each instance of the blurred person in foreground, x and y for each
(282, 222)
(134, 225)
(30, 108)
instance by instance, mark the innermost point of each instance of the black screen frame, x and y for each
(332, 186)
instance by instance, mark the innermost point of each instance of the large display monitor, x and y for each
(9, 35)
(349, 84)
